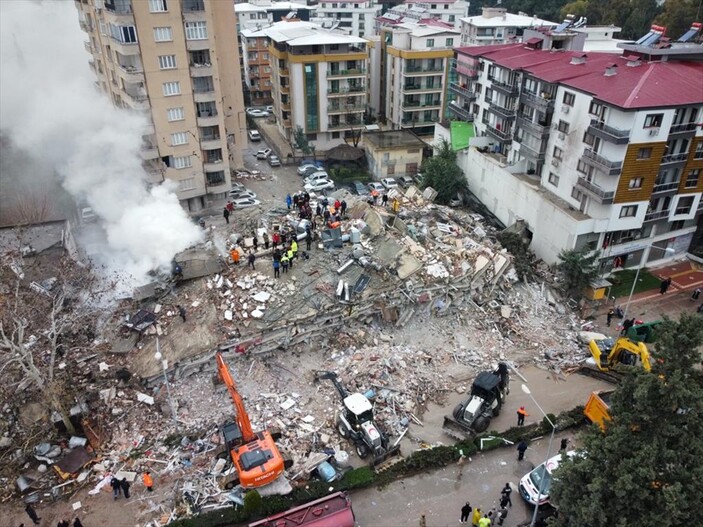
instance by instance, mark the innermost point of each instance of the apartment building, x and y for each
(599, 150)
(415, 65)
(320, 82)
(176, 62)
(496, 26)
(448, 11)
(354, 17)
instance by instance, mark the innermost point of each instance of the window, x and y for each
(693, 177)
(644, 153)
(558, 153)
(699, 151)
(684, 205)
(449, 42)
(430, 43)
(157, 6)
(676, 225)
(390, 170)
(577, 194)
(215, 178)
(563, 127)
(635, 183)
(167, 62)
(628, 211)
(186, 184)
(162, 34)
(589, 139)
(182, 162)
(196, 31)
(124, 34)
(596, 109)
(653, 120)
(452, 18)
(171, 88)
(179, 138)
(175, 114)
(569, 98)
(411, 168)
(553, 179)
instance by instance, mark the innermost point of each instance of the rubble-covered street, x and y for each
(406, 308)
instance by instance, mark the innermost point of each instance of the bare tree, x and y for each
(29, 207)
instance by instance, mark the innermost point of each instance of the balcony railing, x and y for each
(612, 168)
(665, 187)
(532, 126)
(531, 152)
(353, 90)
(504, 87)
(602, 196)
(537, 101)
(501, 111)
(347, 73)
(88, 46)
(413, 122)
(501, 135)
(343, 124)
(463, 92)
(613, 135)
(685, 128)
(467, 72)
(418, 87)
(658, 215)
(674, 158)
(424, 69)
(343, 108)
(461, 113)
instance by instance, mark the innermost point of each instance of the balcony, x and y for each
(88, 47)
(120, 14)
(683, 130)
(343, 125)
(504, 87)
(201, 70)
(417, 88)
(350, 91)
(361, 72)
(348, 108)
(658, 215)
(601, 196)
(205, 96)
(501, 135)
(541, 102)
(533, 127)
(465, 71)
(198, 45)
(125, 48)
(283, 72)
(463, 92)
(130, 74)
(673, 159)
(214, 166)
(210, 143)
(415, 122)
(207, 120)
(194, 15)
(421, 105)
(608, 133)
(85, 26)
(501, 111)
(660, 188)
(461, 113)
(148, 152)
(286, 123)
(285, 89)
(531, 152)
(412, 71)
(612, 168)
(136, 101)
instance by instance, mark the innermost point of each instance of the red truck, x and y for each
(331, 511)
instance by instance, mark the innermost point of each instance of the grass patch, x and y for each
(622, 282)
(347, 175)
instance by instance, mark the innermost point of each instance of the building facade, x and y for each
(355, 18)
(597, 151)
(496, 26)
(416, 60)
(176, 62)
(320, 82)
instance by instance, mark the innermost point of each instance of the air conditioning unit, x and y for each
(555, 162)
(654, 131)
(562, 135)
(565, 109)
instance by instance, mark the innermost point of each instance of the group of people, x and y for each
(495, 516)
(122, 486)
(301, 202)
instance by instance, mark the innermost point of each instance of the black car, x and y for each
(359, 188)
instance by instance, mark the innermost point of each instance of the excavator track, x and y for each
(607, 376)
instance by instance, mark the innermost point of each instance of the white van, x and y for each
(539, 480)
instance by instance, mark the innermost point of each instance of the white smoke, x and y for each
(50, 107)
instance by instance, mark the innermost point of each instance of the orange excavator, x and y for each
(254, 454)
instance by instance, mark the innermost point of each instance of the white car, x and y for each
(237, 187)
(254, 135)
(258, 113)
(241, 194)
(269, 109)
(389, 183)
(274, 161)
(375, 185)
(242, 203)
(263, 154)
(538, 481)
(307, 170)
(316, 177)
(322, 184)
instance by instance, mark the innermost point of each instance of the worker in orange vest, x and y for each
(234, 253)
(521, 414)
(148, 482)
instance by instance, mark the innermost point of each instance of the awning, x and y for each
(534, 40)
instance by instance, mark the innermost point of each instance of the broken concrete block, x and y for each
(262, 296)
(144, 398)
(287, 404)
(257, 313)
(228, 314)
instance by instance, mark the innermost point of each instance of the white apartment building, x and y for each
(320, 82)
(176, 63)
(599, 150)
(448, 11)
(353, 17)
(416, 60)
(261, 13)
(496, 26)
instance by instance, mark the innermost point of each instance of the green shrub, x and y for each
(252, 502)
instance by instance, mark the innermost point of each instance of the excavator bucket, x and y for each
(387, 459)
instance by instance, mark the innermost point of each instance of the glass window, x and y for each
(563, 127)
(430, 43)
(179, 138)
(684, 205)
(628, 211)
(558, 153)
(569, 98)
(158, 6)
(693, 177)
(553, 179)
(450, 42)
(644, 153)
(171, 88)
(167, 62)
(182, 162)
(653, 120)
(175, 114)
(186, 184)
(635, 183)
(162, 34)
(196, 30)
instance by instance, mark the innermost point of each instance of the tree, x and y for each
(523, 257)
(442, 174)
(577, 269)
(645, 469)
(300, 141)
(678, 15)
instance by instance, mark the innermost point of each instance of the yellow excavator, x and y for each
(617, 354)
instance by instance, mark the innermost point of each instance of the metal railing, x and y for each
(531, 152)
(510, 89)
(652, 216)
(613, 168)
(462, 113)
(347, 73)
(424, 69)
(502, 135)
(683, 128)
(460, 90)
(532, 126)
(603, 196)
(674, 158)
(536, 100)
(502, 111)
(615, 135)
(665, 187)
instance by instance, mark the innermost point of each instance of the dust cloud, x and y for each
(50, 107)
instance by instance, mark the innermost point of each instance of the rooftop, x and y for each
(393, 139)
(272, 6)
(634, 85)
(506, 20)
(299, 33)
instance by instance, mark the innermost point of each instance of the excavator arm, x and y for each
(331, 376)
(240, 413)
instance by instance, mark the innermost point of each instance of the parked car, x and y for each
(389, 183)
(309, 161)
(242, 203)
(375, 185)
(357, 187)
(540, 478)
(88, 215)
(254, 135)
(237, 186)
(322, 184)
(253, 112)
(419, 179)
(317, 176)
(274, 161)
(405, 181)
(269, 109)
(242, 194)
(308, 169)
(263, 154)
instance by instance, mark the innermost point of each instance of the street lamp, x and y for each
(527, 391)
(164, 366)
(667, 250)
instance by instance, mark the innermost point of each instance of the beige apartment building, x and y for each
(177, 62)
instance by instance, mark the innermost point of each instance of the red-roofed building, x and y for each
(594, 150)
